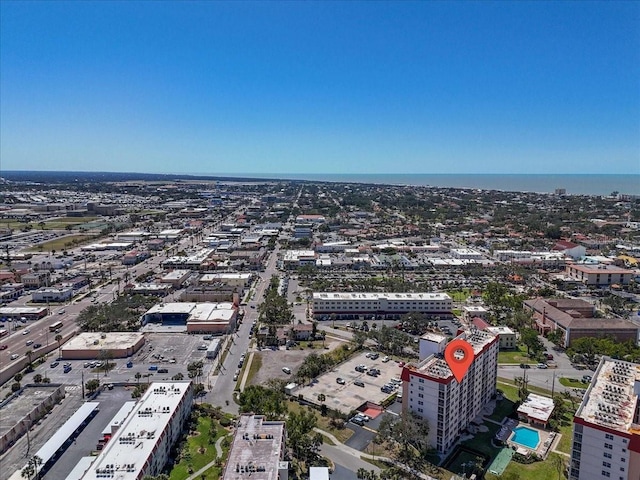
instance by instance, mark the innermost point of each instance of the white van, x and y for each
(286, 370)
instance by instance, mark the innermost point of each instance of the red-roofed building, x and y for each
(570, 249)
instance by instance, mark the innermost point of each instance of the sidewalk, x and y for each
(212, 463)
(358, 454)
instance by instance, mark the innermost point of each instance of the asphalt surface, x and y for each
(85, 442)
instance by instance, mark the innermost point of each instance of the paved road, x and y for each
(223, 384)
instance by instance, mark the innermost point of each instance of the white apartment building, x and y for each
(606, 427)
(430, 390)
(141, 445)
(325, 303)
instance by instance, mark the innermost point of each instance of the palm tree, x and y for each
(32, 467)
(59, 339)
(29, 354)
(138, 376)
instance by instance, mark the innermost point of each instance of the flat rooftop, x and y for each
(255, 452)
(380, 296)
(19, 407)
(95, 341)
(176, 274)
(611, 400)
(128, 450)
(436, 367)
(537, 406)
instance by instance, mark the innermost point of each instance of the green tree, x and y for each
(32, 468)
(529, 338)
(37, 378)
(410, 433)
(92, 385)
(263, 401)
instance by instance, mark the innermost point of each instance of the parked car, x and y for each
(542, 365)
(286, 370)
(153, 368)
(385, 359)
(359, 383)
(54, 364)
(67, 369)
(357, 421)
(340, 381)
(163, 370)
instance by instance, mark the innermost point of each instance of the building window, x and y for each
(607, 455)
(605, 473)
(421, 380)
(606, 464)
(608, 446)
(608, 436)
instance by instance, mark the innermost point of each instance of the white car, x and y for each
(14, 356)
(385, 359)
(286, 370)
(26, 332)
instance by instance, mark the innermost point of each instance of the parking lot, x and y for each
(349, 396)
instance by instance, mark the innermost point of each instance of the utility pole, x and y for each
(83, 384)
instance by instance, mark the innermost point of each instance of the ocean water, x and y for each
(584, 184)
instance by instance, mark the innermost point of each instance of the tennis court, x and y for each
(501, 461)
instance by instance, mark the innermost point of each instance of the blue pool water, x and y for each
(526, 436)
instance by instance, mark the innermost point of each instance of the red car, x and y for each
(3, 347)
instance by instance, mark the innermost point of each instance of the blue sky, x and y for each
(320, 87)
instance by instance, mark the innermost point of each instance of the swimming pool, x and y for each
(526, 436)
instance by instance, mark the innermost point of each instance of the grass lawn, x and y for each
(573, 383)
(199, 450)
(503, 409)
(256, 363)
(534, 471)
(482, 441)
(342, 435)
(459, 295)
(564, 445)
(507, 386)
(515, 356)
(61, 243)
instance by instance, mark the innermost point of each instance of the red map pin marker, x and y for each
(459, 356)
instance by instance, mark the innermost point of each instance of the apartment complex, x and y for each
(325, 303)
(430, 390)
(606, 427)
(141, 444)
(257, 451)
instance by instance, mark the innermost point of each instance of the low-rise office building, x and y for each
(327, 303)
(599, 275)
(93, 345)
(575, 318)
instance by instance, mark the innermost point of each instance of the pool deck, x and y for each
(547, 438)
